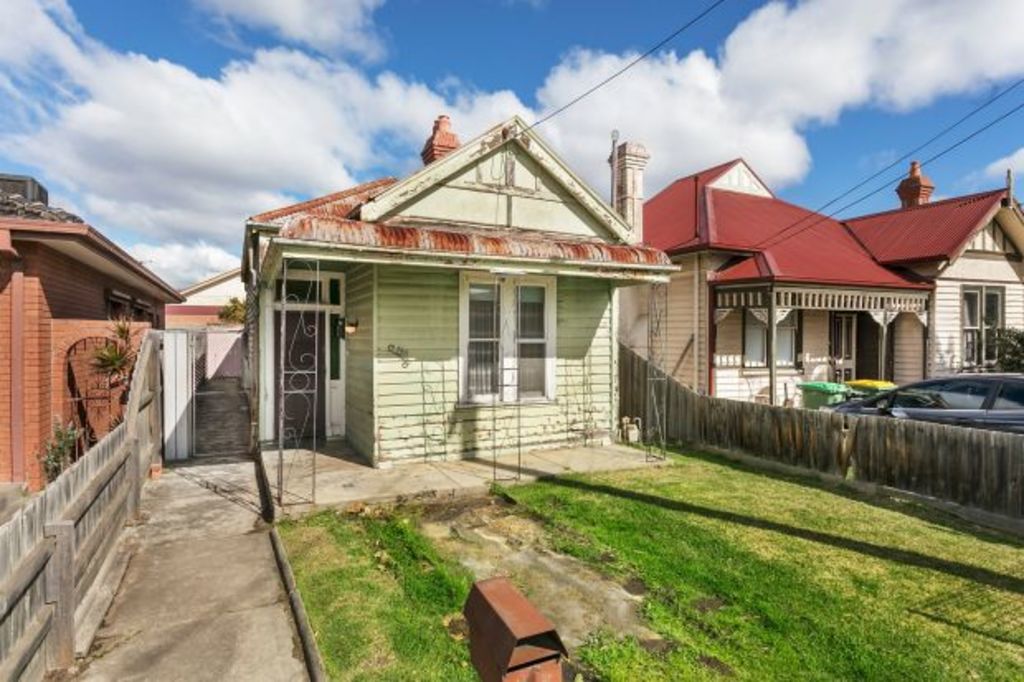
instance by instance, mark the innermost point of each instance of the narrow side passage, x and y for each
(202, 598)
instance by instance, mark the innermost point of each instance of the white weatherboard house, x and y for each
(467, 309)
(770, 295)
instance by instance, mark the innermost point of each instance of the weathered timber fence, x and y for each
(54, 549)
(971, 467)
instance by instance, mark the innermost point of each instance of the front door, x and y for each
(300, 380)
(844, 346)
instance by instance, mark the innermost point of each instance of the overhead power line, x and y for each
(818, 217)
(654, 48)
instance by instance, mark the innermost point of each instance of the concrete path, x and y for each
(341, 481)
(202, 598)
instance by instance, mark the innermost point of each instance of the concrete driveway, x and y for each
(202, 598)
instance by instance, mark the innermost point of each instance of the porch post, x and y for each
(772, 373)
(885, 345)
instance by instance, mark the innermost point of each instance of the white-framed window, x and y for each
(507, 338)
(755, 340)
(980, 319)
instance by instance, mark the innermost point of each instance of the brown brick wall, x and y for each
(65, 300)
(6, 465)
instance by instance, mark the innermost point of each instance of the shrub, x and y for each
(1010, 345)
(58, 453)
(233, 311)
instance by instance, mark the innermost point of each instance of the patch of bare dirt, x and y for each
(491, 539)
(716, 664)
(708, 604)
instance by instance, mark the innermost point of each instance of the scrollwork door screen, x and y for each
(298, 378)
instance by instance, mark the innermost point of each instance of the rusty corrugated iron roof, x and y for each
(337, 205)
(469, 241)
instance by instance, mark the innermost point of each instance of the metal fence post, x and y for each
(60, 590)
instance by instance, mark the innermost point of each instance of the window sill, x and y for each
(763, 371)
(526, 402)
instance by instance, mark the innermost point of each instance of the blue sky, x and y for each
(165, 124)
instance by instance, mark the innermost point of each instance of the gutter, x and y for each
(95, 241)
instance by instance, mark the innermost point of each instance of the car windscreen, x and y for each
(954, 394)
(1011, 396)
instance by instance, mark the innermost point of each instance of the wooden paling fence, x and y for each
(971, 467)
(53, 549)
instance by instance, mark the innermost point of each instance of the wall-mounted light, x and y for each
(348, 326)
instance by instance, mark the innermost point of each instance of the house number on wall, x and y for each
(401, 353)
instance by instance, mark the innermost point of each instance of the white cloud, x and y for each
(784, 68)
(675, 107)
(157, 150)
(1015, 162)
(183, 264)
(329, 26)
(148, 146)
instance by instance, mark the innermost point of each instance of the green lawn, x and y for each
(379, 598)
(747, 574)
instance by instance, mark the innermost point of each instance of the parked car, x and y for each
(985, 401)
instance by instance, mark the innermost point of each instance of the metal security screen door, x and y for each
(309, 364)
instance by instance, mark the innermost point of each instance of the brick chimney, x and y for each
(628, 161)
(915, 189)
(442, 141)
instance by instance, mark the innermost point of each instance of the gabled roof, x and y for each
(339, 204)
(820, 251)
(929, 232)
(513, 131)
(213, 280)
(684, 215)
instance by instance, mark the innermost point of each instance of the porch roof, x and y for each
(364, 240)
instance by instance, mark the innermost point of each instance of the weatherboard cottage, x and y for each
(469, 308)
(771, 295)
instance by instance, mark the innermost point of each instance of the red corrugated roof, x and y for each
(933, 231)
(788, 243)
(339, 204)
(673, 217)
(513, 244)
(816, 250)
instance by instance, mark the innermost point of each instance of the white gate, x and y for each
(179, 384)
(194, 363)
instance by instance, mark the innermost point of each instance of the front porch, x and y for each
(767, 339)
(334, 476)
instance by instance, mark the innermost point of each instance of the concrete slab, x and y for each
(201, 598)
(220, 647)
(202, 571)
(340, 480)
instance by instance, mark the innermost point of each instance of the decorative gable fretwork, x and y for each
(992, 239)
(822, 298)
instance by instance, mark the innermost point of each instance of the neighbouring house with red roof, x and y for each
(61, 284)
(771, 295)
(465, 310)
